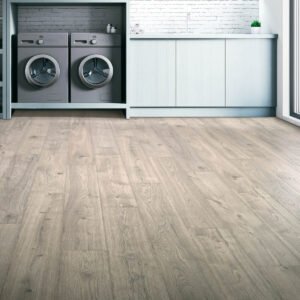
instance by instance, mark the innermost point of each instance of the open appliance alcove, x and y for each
(62, 16)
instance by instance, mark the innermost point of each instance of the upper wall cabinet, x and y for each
(201, 73)
(251, 73)
(152, 73)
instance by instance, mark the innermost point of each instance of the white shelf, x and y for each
(67, 1)
(68, 105)
(189, 36)
(1, 83)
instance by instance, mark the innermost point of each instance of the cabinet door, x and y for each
(201, 73)
(251, 73)
(152, 73)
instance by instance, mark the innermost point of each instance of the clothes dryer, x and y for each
(43, 74)
(96, 68)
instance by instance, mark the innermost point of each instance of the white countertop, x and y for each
(176, 36)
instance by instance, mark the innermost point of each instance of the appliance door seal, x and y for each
(42, 70)
(95, 71)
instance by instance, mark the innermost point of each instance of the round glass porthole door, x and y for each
(42, 70)
(95, 71)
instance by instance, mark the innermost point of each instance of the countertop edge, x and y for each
(201, 36)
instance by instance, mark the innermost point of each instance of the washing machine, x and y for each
(43, 65)
(96, 68)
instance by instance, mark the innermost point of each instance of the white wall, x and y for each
(206, 16)
(275, 16)
(271, 17)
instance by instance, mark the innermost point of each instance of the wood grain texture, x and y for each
(93, 206)
(200, 67)
(244, 58)
(152, 73)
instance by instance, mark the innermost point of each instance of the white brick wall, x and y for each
(154, 16)
(206, 16)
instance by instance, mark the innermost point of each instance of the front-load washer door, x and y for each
(95, 71)
(42, 70)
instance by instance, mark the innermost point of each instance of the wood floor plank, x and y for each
(8, 237)
(34, 268)
(113, 181)
(186, 273)
(134, 271)
(93, 206)
(152, 144)
(133, 157)
(102, 137)
(186, 198)
(83, 225)
(80, 146)
(135, 274)
(240, 278)
(277, 218)
(84, 275)
(85, 270)
(12, 133)
(285, 280)
(52, 166)
(16, 182)
(284, 191)
(175, 135)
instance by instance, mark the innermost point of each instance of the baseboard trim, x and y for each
(136, 112)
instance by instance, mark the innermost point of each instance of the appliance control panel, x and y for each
(85, 39)
(43, 40)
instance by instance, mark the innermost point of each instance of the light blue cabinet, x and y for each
(152, 73)
(235, 76)
(200, 73)
(251, 73)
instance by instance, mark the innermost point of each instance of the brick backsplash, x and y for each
(154, 16)
(206, 16)
(68, 18)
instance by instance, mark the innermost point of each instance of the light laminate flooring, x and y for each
(93, 206)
